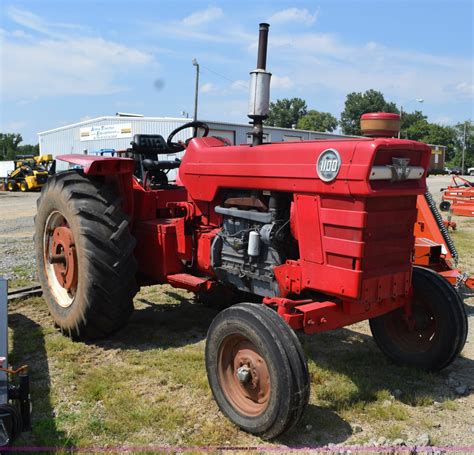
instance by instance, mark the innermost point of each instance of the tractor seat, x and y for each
(157, 165)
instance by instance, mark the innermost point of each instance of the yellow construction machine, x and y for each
(30, 173)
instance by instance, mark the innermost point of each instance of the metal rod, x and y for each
(196, 91)
(262, 46)
(463, 149)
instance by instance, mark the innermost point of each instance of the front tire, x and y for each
(23, 187)
(437, 331)
(257, 370)
(84, 255)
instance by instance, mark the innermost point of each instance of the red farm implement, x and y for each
(459, 197)
(320, 232)
(434, 247)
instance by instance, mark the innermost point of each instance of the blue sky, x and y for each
(66, 61)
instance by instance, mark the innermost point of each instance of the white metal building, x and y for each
(116, 132)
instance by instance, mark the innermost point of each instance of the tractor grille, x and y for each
(371, 244)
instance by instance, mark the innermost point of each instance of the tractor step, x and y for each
(189, 282)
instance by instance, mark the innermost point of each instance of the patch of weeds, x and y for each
(19, 283)
(385, 410)
(449, 405)
(97, 383)
(418, 400)
(23, 276)
(63, 348)
(335, 389)
(125, 414)
(393, 431)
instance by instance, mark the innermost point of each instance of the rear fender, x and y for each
(100, 165)
(117, 171)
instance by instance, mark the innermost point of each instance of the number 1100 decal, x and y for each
(328, 165)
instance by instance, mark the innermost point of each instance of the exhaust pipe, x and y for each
(259, 101)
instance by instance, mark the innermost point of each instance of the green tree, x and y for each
(432, 133)
(409, 118)
(9, 145)
(317, 121)
(28, 149)
(456, 160)
(358, 103)
(285, 113)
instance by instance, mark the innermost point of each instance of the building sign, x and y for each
(97, 132)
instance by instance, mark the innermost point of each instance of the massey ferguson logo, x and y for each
(328, 165)
(400, 169)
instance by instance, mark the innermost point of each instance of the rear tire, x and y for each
(440, 325)
(253, 337)
(90, 293)
(23, 187)
(11, 185)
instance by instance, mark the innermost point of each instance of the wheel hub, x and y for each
(244, 376)
(63, 257)
(416, 332)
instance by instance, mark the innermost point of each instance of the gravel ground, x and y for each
(17, 211)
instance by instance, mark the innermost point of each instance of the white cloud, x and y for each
(69, 63)
(202, 17)
(465, 88)
(321, 61)
(301, 16)
(230, 34)
(34, 22)
(371, 46)
(278, 82)
(26, 101)
(207, 87)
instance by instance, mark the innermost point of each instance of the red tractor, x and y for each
(316, 234)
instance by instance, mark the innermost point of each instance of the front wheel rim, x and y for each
(417, 334)
(244, 375)
(60, 259)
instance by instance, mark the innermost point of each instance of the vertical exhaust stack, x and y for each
(259, 100)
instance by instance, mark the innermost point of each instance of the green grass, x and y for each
(148, 385)
(449, 405)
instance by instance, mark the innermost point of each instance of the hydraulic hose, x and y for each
(442, 228)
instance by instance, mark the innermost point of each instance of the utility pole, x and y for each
(196, 64)
(463, 149)
(418, 100)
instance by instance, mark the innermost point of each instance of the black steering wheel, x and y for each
(176, 146)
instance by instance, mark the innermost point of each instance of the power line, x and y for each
(224, 77)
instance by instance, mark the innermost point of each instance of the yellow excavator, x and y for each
(30, 173)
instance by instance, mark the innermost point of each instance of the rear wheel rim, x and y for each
(244, 375)
(60, 259)
(415, 334)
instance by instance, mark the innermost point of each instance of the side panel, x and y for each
(157, 249)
